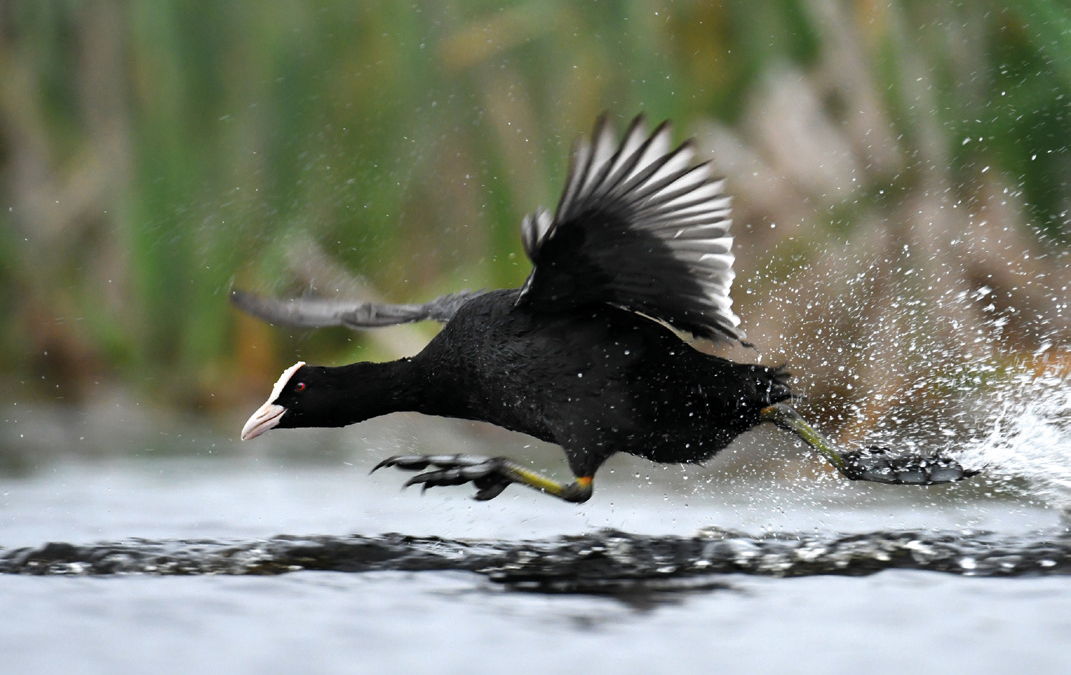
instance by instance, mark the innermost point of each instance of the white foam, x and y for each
(1029, 436)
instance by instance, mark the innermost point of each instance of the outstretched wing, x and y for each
(640, 225)
(319, 313)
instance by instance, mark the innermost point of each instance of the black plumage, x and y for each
(583, 355)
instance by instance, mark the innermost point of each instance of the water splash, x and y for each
(927, 361)
(1029, 434)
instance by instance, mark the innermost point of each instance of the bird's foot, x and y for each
(878, 465)
(870, 464)
(490, 475)
(483, 472)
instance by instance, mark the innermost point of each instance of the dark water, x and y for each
(604, 562)
(243, 561)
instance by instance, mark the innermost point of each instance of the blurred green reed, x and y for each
(152, 154)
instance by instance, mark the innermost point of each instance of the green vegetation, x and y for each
(152, 154)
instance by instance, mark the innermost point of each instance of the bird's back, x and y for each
(595, 379)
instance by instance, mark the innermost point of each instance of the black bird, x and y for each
(587, 353)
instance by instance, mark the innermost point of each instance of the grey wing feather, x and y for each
(321, 313)
(639, 225)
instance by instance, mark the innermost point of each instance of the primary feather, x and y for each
(639, 226)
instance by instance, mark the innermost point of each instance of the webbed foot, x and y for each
(877, 465)
(870, 464)
(490, 475)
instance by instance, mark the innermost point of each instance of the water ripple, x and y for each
(606, 561)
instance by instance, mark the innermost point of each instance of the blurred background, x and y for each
(901, 178)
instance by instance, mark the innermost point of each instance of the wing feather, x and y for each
(639, 225)
(311, 312)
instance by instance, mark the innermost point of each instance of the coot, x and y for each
(589, 353)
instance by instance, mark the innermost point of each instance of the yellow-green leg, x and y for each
(490, 475)
(869, 464)
(786, 417)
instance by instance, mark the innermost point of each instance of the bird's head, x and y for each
(322, 396)
(289, 399)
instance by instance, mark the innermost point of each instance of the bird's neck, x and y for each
(361, 391)
(367, 390)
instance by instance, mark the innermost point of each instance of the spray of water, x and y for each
(1028, 436)
(925, 360)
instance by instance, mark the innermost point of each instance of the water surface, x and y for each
(638, 580)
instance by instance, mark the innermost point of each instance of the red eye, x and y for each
(300, 386)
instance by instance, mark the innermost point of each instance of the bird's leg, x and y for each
(870, 464)
(786, 417)
(490, 475)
